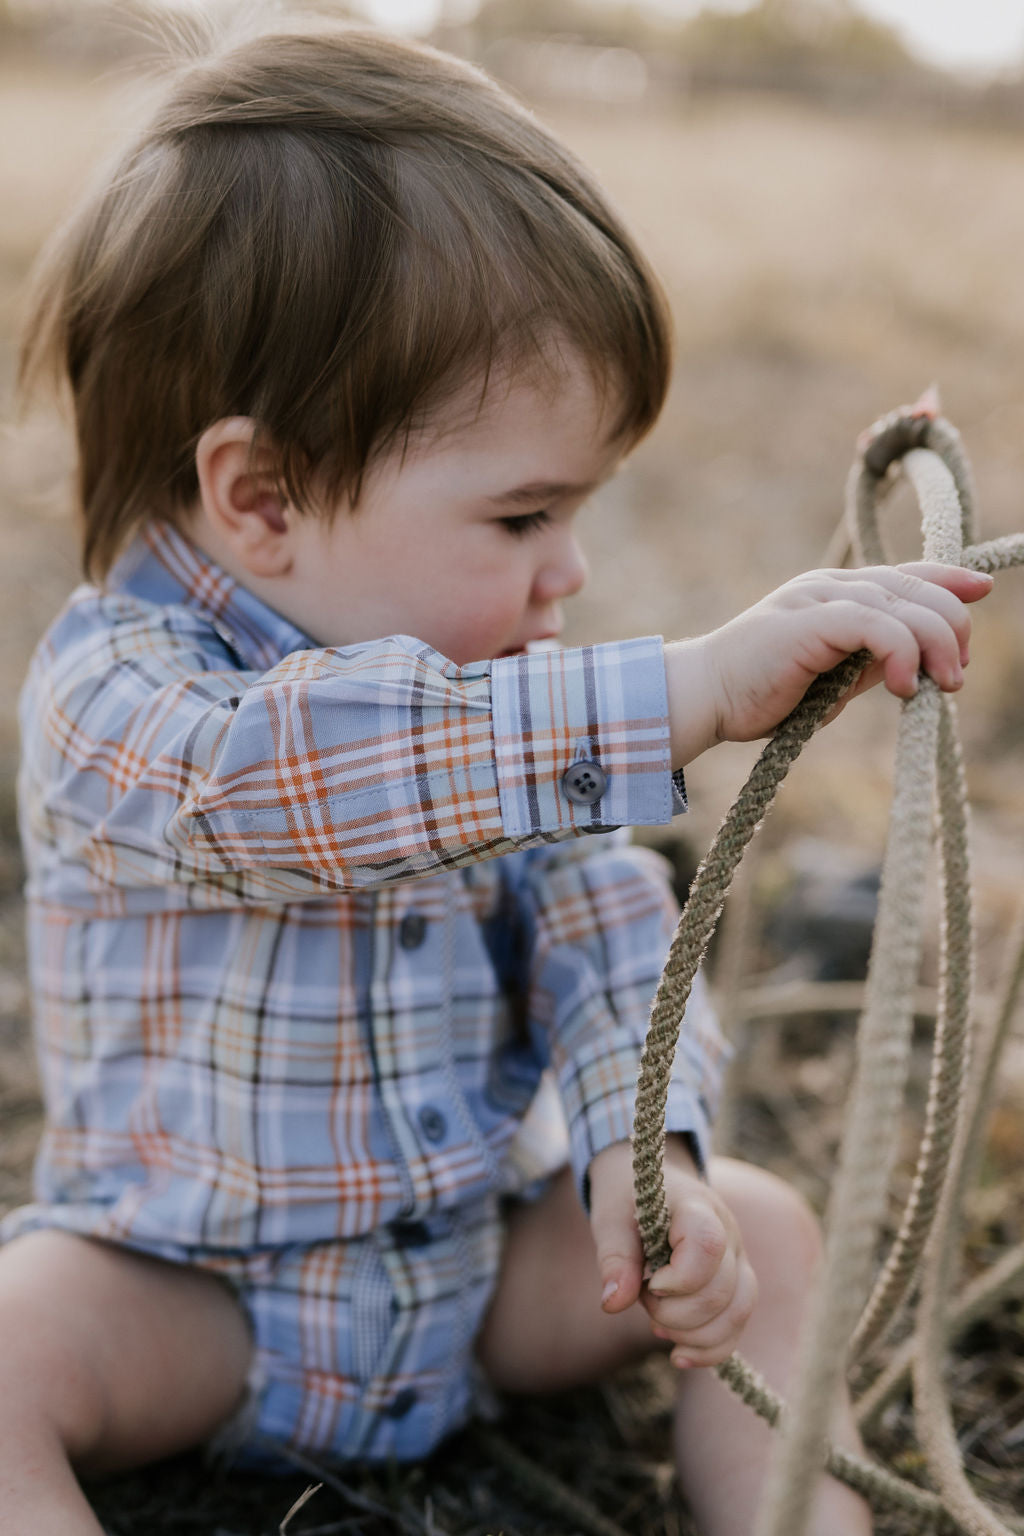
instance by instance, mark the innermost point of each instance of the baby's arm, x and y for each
(149, 760)
(597, 918)
(740, 681)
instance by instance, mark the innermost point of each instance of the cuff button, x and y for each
(584, 782)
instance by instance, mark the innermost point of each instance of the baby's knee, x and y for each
(781, 1233)
(41, 1370)
(124, 1357)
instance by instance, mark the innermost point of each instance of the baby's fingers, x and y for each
(926, 585)
(937, 643)
(702, 1237)
(968, 586)
(902, 636)
(674, 1314)
(716, 1340)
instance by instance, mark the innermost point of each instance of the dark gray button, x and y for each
(411, 1234)
(412, 930)
(432, 1123)
(584, 782)
(401, 1403)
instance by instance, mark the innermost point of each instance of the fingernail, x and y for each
(609, 1291)
(657, 1290)
(680, 1362)
(985, 576)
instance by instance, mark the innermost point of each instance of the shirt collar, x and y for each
(162, 566)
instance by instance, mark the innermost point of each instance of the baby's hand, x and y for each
(702, 1298)
(738, 682)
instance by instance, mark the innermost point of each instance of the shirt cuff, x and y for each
(605, 1095)
(600, 710)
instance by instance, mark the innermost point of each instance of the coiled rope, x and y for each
(928, 760)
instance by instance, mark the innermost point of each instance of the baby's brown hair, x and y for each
(330, 232)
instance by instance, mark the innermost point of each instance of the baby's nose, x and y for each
(563, 573)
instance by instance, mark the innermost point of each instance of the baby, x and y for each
(321, 827)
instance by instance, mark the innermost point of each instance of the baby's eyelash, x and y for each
(528, 522)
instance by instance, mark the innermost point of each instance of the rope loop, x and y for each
(881, 454)
(916, 442)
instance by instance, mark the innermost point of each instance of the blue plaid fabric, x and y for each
(285, 994)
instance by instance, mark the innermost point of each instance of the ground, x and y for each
(822, 268)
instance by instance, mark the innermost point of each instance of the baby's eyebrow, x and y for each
(541, 490)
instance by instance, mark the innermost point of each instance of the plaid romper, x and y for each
(308, 927)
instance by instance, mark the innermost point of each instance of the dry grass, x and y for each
(821, 269)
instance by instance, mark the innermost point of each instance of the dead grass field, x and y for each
(822, 269)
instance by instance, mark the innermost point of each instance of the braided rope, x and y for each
(858, 1203)
(983, 1087)
(996, 555)
(1003, 1280)
(933, 1415)
(945, 494)
(934, 1419)
(696, 925)
(949, 1057)
(927, 752)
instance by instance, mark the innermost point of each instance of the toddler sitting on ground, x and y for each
(321, 827)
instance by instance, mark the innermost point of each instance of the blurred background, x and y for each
(833, 194)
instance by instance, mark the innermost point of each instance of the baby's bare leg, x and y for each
(108, 1360)
(722, 1448)
(545, 1330)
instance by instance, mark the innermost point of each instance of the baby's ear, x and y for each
(240, 498)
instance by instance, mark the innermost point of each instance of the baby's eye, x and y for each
(528, 522)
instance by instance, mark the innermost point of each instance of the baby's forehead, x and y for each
(509, 447)
(512, 392)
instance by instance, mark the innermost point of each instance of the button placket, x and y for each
(410, 1234)
(412, 930)
(402, 1403)
(433, 1123)
(455, 1102)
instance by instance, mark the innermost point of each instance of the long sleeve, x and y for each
(599, 920)
(152, 759)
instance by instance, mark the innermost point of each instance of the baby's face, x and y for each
(468, 542)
